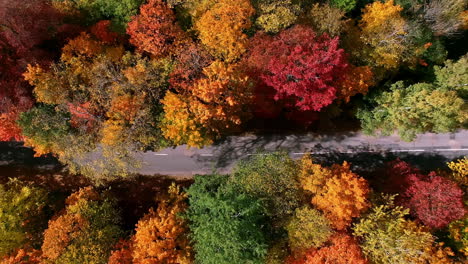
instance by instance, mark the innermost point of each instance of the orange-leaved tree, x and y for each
(85, 231)
(340, 193)
(343, 197)
(221, 28)
(343, 248)
(122, 253)
(161, 235)
(155, 30)
(356, 80)
(215, 104)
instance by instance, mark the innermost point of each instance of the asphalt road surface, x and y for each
(430, 150)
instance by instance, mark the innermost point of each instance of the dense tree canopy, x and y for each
(85, 232)
(414, 109)
(384, 31)
(155, 29)
(221, 28)
(387, 237)
(272, 178)
(227, 224)
(136, 75)
(161, 235)
(22, 215)
(308, 228)
(343, 248)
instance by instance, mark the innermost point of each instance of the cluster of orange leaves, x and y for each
(214, 104)
(161, 235)
(155, 29)
(66, 226)
(357, 80)
(340, 193)
(342, 248)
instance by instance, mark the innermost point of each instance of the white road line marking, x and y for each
(206, 154)
(460, 149)
(160, 154)
(407, 150)
(262, 154)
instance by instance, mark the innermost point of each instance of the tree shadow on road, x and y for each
(231, 149)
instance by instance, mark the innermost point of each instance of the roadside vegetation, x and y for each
(270, 209)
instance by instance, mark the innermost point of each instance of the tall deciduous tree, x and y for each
(308, 228)
(273, 15)
(414, 109)
(155, 29)
(221, 28)
(161, 235)
(105, 96)
(385, 32)
(435, 200)
(272, 178)
(343, 197)
(324, 18)
(228, 225)
(387, 237)
(301, 66)
(85, 232)
(215, 104)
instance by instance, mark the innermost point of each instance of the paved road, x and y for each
(221, 157)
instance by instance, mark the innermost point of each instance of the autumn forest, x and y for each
(92, 83)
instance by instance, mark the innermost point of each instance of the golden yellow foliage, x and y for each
(384, 30)
(179, 124)
(312, 177)
(221, 28)
(460, 171)
(47, 89)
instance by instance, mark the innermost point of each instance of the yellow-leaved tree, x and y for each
(385, 32)
(221, 28)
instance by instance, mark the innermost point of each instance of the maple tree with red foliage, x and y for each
(435, 200)
(306, 69)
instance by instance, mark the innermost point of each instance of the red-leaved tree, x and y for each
(435, 200)
(25, 27)
(305, 67)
